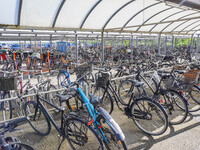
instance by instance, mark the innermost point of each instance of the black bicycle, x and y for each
(79, 134)
(147, 114)
(11, 142)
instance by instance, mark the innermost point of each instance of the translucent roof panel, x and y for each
(102, 13)
(39, 12)
(79, 8)
(122, 16)
(96, 15)
(9, 16)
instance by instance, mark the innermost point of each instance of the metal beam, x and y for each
(178, 20)
(153, 16)
(197, 47)
(116, 13)
(166, 18)
(102, 46)
(189, 25)
(164, 22)
(19, 12)
(159, 42)
(76, 45)
(58, 12)
(193, 28)
(139, 13)
(95, 5)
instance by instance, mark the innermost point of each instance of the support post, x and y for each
(191, 44)
(102, 45)
(197, 47)
(115, 42)
(41, 46)
(165, 46)
(159, 40)
(123, 41)
(131, 47)
(76, 44)
(172, 46)
(136, 42)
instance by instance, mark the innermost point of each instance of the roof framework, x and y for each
(127, 16)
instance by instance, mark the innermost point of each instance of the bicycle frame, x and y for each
(66, 73)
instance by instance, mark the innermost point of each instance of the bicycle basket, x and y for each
(178, 85)
(191, 76)
(102, 80)
(8, 83)
(82, 70)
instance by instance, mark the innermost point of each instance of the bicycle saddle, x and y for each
(95, 100)
(180, 71)
(137, 83)
(164, 75)
(64, 98)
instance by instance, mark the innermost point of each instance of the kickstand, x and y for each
(60, 143)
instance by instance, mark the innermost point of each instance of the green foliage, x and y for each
(182, 42)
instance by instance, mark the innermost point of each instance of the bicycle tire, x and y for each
(106, 99)
(79, 134)
(6, 106)
(142, 116)
(40, 122)
(61, 79)
(110, 131)
(174, 109)
(21, 146)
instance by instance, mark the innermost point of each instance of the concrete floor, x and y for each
(185, 136)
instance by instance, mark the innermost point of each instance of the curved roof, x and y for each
(141, 16)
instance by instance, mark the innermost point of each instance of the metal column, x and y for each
(76, 44)
(123, 41)
(115, 42)
(172, 47)
(159, 39)
(41, 46)
(131, 47)
(102, 45)
(191, 44)
(165, 46)
(197, 47)
(136, 42)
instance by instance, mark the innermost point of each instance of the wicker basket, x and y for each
(82, 70)
(191, 76)
(8, 83)
(102, 80)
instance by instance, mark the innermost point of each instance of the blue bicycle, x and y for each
(97, 117)
(64, 77)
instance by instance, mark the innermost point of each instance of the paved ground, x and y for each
(185, 136)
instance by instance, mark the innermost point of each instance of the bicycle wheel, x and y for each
(38, 120)
(51, 97)
(106, 99)
(149, 116)
(110, 131)
(125, 90)
(6, 106)
(193, 104)
(195, 94)
(175, 105)
(62, 81)
(82, 136)
(19, 146)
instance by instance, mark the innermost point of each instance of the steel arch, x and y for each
(116, 13)
(152, 17)
(178, 19)
(95, 5)
(166, 18)
(58, 12)
(139, 13)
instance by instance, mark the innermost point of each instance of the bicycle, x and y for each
(11, 142)
(102, 122)
(77, 132)
(137, 108)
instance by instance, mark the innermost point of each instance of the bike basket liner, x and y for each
(178, 85)
(191, 76)
(102, 80)
(82, 70)
(8, 83)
